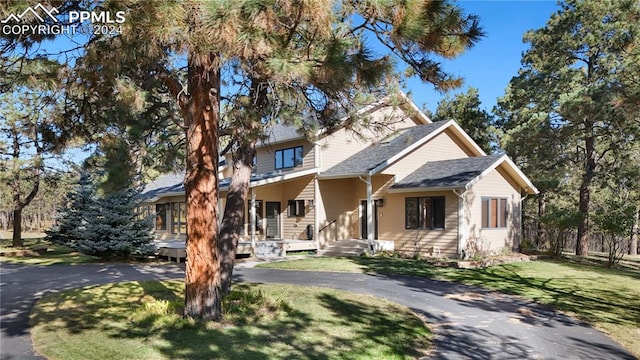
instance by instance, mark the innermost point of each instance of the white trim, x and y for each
(280, 178)
(462, 224)
(334, 177)
(422, 189)
(412, 106)
(163, 195)
(316, 218)
(530, 186)
(468, 138)
(520, 174)
(409, 149)
(451, 123)
(420, 115)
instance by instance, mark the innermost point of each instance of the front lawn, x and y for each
(141, 320)
(40, 252)
(608, 299)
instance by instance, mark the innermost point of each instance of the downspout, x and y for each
(316, 218)
(252, 220)
(462, 226)
(317, 160)
(521, 235)
(369, 213)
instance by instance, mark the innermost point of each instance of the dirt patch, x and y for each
(491, 261)
(25, 252)
(467, 296)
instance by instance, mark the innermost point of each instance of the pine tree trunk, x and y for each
(582, 243)
(248, 130)
(203, 295)
(234, 211)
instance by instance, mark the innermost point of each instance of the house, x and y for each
(416, 187)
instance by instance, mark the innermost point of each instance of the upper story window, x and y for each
(289, 157)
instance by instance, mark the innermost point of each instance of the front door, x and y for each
(273, 220)
(363, 219)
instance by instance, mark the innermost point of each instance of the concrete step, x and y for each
(351, 247)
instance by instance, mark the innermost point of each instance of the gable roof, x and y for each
(377, 157)
(460, 173)
(280, 132)
(171, 184)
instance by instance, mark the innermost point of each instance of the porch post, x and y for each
(252, 219)
(370, 214)
(462, 224)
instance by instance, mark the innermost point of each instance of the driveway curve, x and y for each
(469, 322)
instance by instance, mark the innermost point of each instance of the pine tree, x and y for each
(114, 229)
(71, 221)
(465, 109)
(175, 54)
(107, 226)
(575, 74)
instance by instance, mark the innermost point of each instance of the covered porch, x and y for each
(174, 250)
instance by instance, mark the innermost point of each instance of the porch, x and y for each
(175, 249)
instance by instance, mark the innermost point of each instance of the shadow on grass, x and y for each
(586, 292)
(152, 314)
(398, 333)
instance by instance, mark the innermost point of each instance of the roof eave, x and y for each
(423, 189)
(340, 176)
(162, 196)
(519, 177)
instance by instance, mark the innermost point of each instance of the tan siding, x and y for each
(494, 185)
(338, 203)
(443, 147)
(295, 227)
(339, 146)
(266, 156)
(410, 242)
(344, 143)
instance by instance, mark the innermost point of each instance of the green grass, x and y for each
(55, 254)
(608, 299)
(141, 320)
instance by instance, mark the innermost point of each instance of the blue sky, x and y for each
(490, 65)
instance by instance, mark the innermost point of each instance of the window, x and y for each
(178, 218)
(144, 212)
(424, 212)
(295, 208)
(161, 216)
(288, 158)
(494, 213)
(258, 219)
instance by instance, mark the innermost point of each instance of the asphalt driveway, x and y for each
(470, 323)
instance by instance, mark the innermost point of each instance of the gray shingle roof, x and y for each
(164, 184)
(447, 173)
(369, 158)
(283, 132)
(170, 184)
